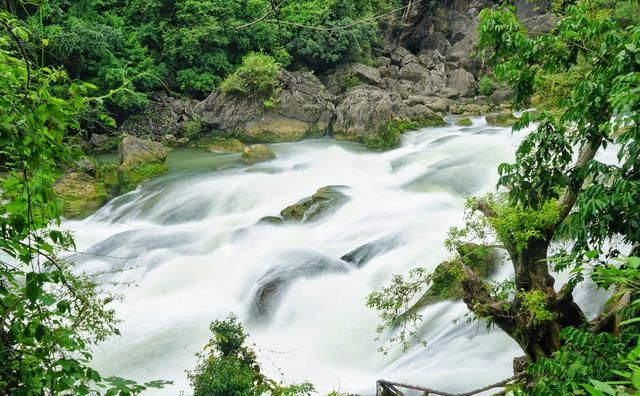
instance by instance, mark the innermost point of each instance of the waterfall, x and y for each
(185, 249)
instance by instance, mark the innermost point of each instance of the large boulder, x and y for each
(365, 74)
(257, 153)
(461, 82)
(139, 160)
(80, 193)
(362, 110)
(301, 107)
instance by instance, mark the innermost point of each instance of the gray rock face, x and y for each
(362, 110)
(303, 105)
(134, 152)
(364, 73)
(462, 82)
(436, 41)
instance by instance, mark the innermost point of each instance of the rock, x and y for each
(163, 115)
(134, 152)
(324, 202)
(257, 153)
(169, 139)
(271, 220)
(303, 107)
(413, 72)
(284, 271)
(462, 82)
(399, 54)
(465, 122)
(446, 284)
(80, 193)
(501, 119)
(98, 140)
(140, 160)
(86, 165)
(431, 58)
(226, 146)
(502, 95)
(362, 110)
(437, 42)
(365, 253)
(364, 73)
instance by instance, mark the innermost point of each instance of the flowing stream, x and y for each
(189, 244)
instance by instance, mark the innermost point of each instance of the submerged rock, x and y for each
(257, 153)
(501, 119)
(80, 193)
(284, 272)
(226, 146)
(465, 122)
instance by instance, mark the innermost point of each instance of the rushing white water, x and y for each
(190, 242)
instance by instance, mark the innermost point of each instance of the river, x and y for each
(186, 249)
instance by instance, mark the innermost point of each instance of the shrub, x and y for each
(227, 366)
(258, 75)
(486, 86)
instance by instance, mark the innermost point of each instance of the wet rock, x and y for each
(271, 220)
(80, 193)
(365, 253)
(362, 110)
(501, 119)
(257, 153)
(284, 272)
(465, 122)
(324, 202)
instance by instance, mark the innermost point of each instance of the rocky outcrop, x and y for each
(365, 253)
(139, 160)
(80, 193)
(257, 153)
(300, 107)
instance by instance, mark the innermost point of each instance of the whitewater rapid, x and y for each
(188, 245)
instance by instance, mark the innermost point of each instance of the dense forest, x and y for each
(71, 71)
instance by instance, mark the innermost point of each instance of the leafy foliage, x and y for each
(49, 315)
(227, 366)
(258, 76)
(486, 86)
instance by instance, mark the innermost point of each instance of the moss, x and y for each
(107, 175)
(130, 179)
(388, 135)
(465, 122)
(80, 194)
(224, 145)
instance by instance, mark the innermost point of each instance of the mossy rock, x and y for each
(446, 279)
(107, 175)
(501, 119)
(464, 122)
(257, 153)
(325, 201)
(226, 146)
(130, 179)
(80, 193)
